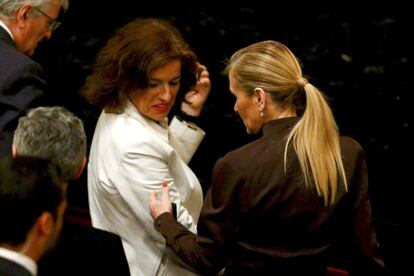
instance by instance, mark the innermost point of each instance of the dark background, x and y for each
(358, 56)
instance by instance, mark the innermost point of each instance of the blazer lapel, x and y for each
(5, 36)
(160, 130)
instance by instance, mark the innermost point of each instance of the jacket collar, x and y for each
(160, 128)
(5, 35)
(21, 260)
(279, 125)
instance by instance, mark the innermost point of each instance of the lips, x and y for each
(161, 108)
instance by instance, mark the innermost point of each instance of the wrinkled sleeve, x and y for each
(186, 140)
(142, 171)
(208, 250)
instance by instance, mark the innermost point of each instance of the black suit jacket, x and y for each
(10, 268)
(21, 86)
(85, 251)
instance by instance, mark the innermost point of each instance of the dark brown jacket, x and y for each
(258, 219)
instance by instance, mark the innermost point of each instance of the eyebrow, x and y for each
(155, 79)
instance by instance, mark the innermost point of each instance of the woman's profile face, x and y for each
(156, 101)
(245, 106)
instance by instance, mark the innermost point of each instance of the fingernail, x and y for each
(165, 185)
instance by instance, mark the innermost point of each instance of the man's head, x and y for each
(55, 134)
(32, 204)
(31, 21)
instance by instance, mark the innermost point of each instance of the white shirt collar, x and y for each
(20, 259)
(7, 29)
(161, 128)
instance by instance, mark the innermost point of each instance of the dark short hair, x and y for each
(124, 64)
(28, 187)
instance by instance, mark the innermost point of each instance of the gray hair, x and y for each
(9, 7)
(55, 134)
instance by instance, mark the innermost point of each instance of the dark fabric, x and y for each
(9, 268)
(257, 218)
(85, 251)
(21, 87)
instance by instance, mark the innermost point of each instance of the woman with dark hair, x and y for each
(139, 75)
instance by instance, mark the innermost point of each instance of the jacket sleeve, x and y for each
(142, 171)
(208, 250)
(362, 240)
(185, 139)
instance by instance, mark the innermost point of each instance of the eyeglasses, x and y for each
(53, 24)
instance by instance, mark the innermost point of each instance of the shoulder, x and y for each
(10, 56)
(15, 64)
(122, 126)
(349, 142)
(126, 133)
(353, 157)
(91, 251)
(246, 158)
(351, 148)
(6, 266)
(75, 235)
(258, 151)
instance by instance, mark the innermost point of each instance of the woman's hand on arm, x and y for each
(158, 207)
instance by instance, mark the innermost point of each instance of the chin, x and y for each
(29, 52)
(156, 117)
(160, 118)
(249, 131)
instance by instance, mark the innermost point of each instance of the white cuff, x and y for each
(186, 138)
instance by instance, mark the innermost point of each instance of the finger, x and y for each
(153, 198)
(165, 196)
(154, 205)
(205, 82)
(204, 73)
(201, 67)
(190, 94)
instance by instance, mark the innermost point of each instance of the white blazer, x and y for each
(130, 157)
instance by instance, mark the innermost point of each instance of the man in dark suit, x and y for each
(56, 134)
(23, 25)
(32, 203)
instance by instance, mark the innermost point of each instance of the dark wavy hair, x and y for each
(125, 62)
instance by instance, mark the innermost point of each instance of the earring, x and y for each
(261, 114)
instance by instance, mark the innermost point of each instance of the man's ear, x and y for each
(45, 224)
(22, 14)
(37, 237)
(80, 169)
(14, 151)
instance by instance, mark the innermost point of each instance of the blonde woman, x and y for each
(276, 206)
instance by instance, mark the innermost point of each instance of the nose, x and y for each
(166, 94)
